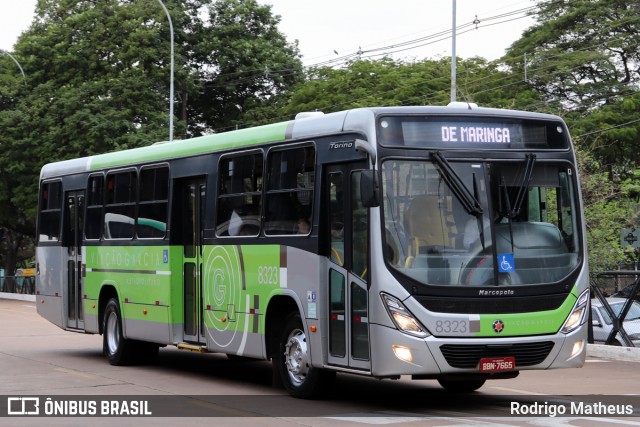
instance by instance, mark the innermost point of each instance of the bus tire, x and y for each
(464, 386)
(118, 350)
(293, 362)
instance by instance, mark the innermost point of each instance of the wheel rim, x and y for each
(296, 357)
(113, 333)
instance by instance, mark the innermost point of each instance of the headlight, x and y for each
(402, 318)
(578, 315)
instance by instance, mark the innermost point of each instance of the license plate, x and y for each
(497, 364)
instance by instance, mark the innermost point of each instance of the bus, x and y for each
(434, 242)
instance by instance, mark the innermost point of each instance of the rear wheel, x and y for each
(464, 386)
(293, 362)
(117, 349)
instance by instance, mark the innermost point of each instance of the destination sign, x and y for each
(500, 135)
(471, 132)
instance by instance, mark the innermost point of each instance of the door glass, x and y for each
(71, 279)
(190, 299)
(71, 223)
(359, 323)
(337, 314)
(336, 217)
(80, 222)
(359, 223)
(189, 221)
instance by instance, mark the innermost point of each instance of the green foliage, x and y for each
(245, 62)
(385, 82)
(583, 53)
(606, 211)
(98, 77)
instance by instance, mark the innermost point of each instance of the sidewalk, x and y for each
(20, 297)
(627, 354)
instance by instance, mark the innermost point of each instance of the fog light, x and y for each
(402, 353)
(577, 348)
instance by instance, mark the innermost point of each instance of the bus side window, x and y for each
(239, 195)
(154, 202)
(289, 189)
(95, 201)
(50, 212)
(120, 207)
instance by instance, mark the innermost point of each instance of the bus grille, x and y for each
(492, 305)
(468, 356)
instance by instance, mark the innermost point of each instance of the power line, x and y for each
(491, 81)
(621, 125)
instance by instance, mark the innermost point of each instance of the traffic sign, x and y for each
(630, 237)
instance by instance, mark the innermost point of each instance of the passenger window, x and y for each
(289, 197)
(120, 207)
(50, 212)
(95, 201)
(239, 195)
(154, 201)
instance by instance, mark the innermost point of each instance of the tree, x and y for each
(583, 57)
(245, 63)
(606, 211)
(583, 53)
(386, 82)
(98, 81)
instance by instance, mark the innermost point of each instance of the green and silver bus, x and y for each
(440, 243)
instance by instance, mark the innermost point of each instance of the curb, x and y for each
(626, 354)
(19, 297)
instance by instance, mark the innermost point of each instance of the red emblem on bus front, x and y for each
(498, 326)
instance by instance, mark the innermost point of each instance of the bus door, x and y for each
(72, 235)
(348, 272)
(190, 226)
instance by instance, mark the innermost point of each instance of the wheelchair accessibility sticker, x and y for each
(506, 263)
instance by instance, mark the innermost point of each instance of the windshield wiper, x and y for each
(505, 195)
(523, 187)
(470, 204)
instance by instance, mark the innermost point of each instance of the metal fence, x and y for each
(615, 308)
(18, 284)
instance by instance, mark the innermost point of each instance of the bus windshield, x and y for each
(480, 223)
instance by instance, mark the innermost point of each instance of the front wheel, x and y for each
(117, 349)
(293, 362)
(465, 386)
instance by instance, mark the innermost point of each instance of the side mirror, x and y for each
(368, 188)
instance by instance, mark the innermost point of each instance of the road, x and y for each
(39, 359)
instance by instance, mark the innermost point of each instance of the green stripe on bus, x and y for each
(521, 324)
(189, 147)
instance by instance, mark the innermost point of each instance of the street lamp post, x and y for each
(453, 54)
(171, 78)
(16, 61)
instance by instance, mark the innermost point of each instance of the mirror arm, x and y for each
(364, 146)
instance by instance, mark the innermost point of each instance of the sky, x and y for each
(330, 30)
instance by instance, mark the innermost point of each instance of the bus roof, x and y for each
(359, 120)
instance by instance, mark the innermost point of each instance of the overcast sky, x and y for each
(331, 29)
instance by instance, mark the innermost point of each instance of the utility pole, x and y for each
(453, 54)
(171, 78)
